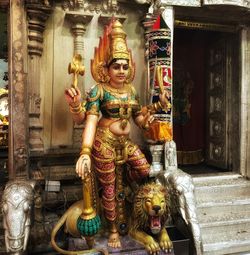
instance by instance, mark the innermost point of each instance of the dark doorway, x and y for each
(202, 91)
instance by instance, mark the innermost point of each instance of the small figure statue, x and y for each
(170, 156)
(105, 140)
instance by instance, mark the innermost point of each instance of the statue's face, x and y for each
(118, 71)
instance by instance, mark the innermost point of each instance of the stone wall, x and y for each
(58, 52)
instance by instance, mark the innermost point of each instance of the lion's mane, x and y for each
(139, 218)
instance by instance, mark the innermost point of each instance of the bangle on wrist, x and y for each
(77, 109)
(159, 105)
(75, 106)
(86, 150)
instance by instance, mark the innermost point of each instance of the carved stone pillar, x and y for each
(245, 103)
(78, 28)
(37, 16)
(18, 129)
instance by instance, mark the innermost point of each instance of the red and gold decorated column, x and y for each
(160, 68)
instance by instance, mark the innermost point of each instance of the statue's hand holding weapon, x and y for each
(73, 94)
(83, 166)
(148, 119)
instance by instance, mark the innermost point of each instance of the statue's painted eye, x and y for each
(162, 201)
(148, 200)
(25, 206)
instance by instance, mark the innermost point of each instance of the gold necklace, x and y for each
(125, 89)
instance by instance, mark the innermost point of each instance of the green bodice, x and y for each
(113, 103)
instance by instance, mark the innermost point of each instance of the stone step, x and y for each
(223, 211)
(221, 207)
(218, 179)
(234, 247)
(226, 230)
(236, 243)
(222, 193)
(223, 219)
(221, 188)
(224, 190)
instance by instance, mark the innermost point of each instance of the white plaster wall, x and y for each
(58, 52)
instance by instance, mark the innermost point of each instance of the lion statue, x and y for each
(150, 213)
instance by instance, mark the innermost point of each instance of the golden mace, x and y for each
(76, 68)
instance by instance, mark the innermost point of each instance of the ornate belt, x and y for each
(119, 143)
(115, 141)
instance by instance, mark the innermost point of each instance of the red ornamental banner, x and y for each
(160, 78)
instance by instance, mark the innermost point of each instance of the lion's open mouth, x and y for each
(155, 224)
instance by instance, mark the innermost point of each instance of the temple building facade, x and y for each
(208, 76)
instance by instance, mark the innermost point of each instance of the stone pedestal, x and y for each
(131, 247)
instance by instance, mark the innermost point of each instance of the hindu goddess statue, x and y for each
(105, 138)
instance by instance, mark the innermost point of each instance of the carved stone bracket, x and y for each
(242, 3)
(73, 5)
(194, 3)
(78, 28)
(37, 16)
(111, 7)
(104, 19)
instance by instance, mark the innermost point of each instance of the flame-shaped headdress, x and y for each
(112, 45)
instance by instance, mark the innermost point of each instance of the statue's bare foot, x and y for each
(114, 240)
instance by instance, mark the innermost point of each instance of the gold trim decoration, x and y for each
(3, 92)
(205, 26)
(93, 111)
(114, 91)
(77, 109)
(85, 150)
(99, 94)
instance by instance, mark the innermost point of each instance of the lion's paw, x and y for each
(153, 247)
(166, 245)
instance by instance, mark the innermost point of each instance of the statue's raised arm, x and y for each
(105, 140)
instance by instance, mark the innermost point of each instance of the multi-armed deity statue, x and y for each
(106, 147)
